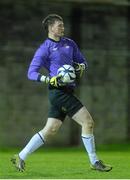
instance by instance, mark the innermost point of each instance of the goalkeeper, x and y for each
(56, 51)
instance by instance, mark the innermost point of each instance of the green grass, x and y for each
(67, 163)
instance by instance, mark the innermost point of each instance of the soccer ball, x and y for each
(67, 73)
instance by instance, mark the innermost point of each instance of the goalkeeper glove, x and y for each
(53, 81)
(79, 69)
(56, 81)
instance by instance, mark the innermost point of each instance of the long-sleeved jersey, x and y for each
(52, 55)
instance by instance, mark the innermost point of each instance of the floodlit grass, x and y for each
(67, 163)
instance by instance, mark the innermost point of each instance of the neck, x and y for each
(56, 38)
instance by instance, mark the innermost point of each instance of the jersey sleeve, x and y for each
(38, 61)
(78, 57)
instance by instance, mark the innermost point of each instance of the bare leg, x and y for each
(83, 118)
(51, 128)
(39, 138)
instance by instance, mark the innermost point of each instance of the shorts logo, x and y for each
(63, 109)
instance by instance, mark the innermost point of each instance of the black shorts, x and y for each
(63, 102)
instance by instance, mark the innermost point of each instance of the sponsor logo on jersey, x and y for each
(66, 46)
(54, 49)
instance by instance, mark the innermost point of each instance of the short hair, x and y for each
(50, 19)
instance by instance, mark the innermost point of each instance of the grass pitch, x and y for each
(67, 163)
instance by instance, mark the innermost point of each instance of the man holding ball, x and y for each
(55, 52)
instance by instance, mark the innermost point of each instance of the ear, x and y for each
(50, 28)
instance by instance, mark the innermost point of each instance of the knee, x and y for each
(88, 122)
(53, 130)
(49, 131)
(88, 125)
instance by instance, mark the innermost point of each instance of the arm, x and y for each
(37, 63)
(80, 63)
(40, 60)
(78, 56)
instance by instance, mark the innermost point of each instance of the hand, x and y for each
(45, 79)
(55, 81)
(79, 69)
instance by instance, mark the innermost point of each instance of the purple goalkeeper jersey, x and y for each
(52, 55)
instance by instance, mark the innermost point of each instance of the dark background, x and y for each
(102, 31)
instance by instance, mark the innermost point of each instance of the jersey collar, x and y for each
(53, 40)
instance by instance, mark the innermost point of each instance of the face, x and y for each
(57, 29)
